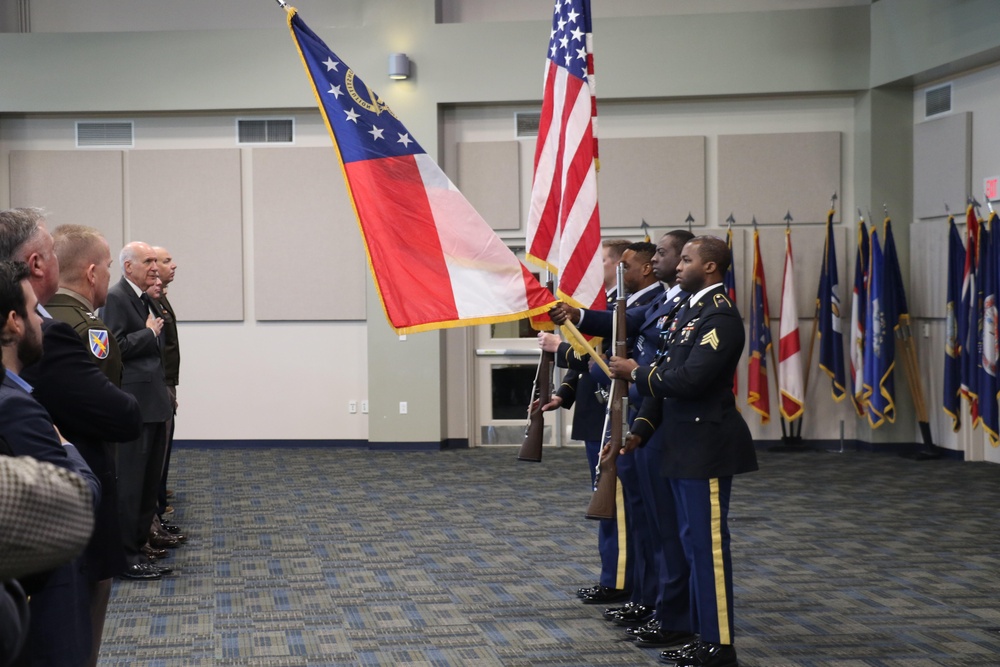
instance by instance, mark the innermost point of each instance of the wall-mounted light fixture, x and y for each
(399, 66)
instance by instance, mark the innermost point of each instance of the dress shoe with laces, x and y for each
(663, 639)
(162, 569)
(652, 625)
(630, 615)
(588, 590)
(709, 655)
(153, 553)
(671, 656)
(171, 528)
(140, 571)
(604, 595)
(161, 541)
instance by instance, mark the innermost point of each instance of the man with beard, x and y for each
(60, 632)
(136, 324)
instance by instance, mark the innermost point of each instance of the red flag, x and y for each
(435, 261)
(564, 227)
(790, 381)
(758, 394)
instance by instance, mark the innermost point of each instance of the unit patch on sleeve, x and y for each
(99, 343)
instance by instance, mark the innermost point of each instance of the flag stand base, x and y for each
(929, 454)
(930, 451)
(790, 443)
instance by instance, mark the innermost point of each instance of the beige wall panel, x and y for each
(190, 202)
(656, 179)
(927, 292)
(767, 175)
(488, 177)
(309, 261)
(942, 165)
(75, 187)
(807, 257)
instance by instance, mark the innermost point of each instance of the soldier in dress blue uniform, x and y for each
(706, 439)
(586, 390)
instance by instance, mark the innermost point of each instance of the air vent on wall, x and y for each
(97, 134)
(527, 123)
(265, 131)
(937, 100)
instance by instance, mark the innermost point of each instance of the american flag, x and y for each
(564, 226)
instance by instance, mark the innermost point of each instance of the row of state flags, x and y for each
(878, 314)
(971, 338)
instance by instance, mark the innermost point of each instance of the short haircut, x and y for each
(678, 239)
(713, 249)
(11, 293)
(616, 247)
(77, 247)
(128, 254)
(17, 227)
(644, 250)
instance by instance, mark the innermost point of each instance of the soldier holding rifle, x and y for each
(663, 582)
(709, 442)
(588, 392)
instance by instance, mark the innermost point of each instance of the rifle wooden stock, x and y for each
(603, 504)
(531, 448)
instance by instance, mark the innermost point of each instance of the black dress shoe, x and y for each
(611, 612)
(140, 571)
(589, 590)
(673, 655)
(162, 569)
(171, 528)
(710, 655)
(652, 625)
(631, 615)
(604, 595)
(663, 639)
(153, 553)
(161, 541)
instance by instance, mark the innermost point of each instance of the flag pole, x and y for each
(774, 367)
(905, 338)
(815, 324)
(587, 346)
(791, 441)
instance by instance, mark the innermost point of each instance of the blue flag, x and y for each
(729, 281)
(988, 412)
(831, 337)
(879, 343)
(952, 360)
(859, 310)
(952, 347)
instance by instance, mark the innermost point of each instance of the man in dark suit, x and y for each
(167, 269)
(136, 324)
(707, 441)
(78, 382)
(60, 631)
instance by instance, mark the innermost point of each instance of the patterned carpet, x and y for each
(353, 557)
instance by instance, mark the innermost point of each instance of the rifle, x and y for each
(603, 503)
(541, 390)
